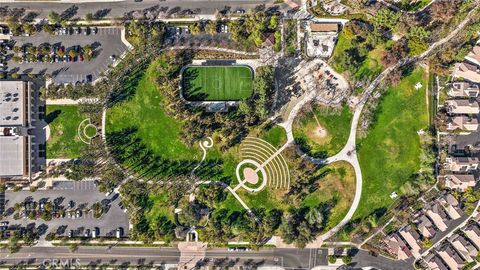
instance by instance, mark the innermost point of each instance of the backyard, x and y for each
(323, 131)
(390, 153)
(63, 121)
(217, 83)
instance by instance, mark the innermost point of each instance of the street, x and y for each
(288, 258)
(118, 9)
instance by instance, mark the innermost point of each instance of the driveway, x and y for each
(106, 42)
(83, 194)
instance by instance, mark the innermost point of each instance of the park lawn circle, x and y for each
(338, 185)
(217, 83)
(90, 131)
(63, 121)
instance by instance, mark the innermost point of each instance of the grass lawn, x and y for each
(275, 135)
(325, 139)
(338, 185)
(371, 65)
(144, 111)
(390, 153)
(217, 83)
(63, 121)
(161, 206)
(415, 5)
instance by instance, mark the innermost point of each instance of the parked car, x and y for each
(95, 232)
(94, 30)
(70, 234)
(87, 233)
(119, 232)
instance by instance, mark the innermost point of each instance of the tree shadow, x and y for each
(101, 13)
(52, 116)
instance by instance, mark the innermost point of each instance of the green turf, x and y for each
(63, 121)
(215, 83)
(390, 153)
(339, 186)
(336, 123)
(90, 131)
(371, 65)
(161, 206)
(144, 110)
(275, 135)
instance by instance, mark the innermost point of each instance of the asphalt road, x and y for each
(118, 9)
(287, 258)
(92, 255)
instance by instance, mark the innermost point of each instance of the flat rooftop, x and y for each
(13, 160)
(12, 103)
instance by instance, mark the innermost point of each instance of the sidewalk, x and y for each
(59, 1)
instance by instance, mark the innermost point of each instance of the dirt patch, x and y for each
(317, 133)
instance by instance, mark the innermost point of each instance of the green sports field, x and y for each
(217, 83)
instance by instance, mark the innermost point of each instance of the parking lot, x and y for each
(106, 42)
(74, 198)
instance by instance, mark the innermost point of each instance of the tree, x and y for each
(386, 18)
(54, 17)
(195, 29)
(443, 10)
(417, 40)
(211, 27)
(191, 214)
(273, 23)
(87, 52)
(28, 28)
(72, 53)
(89, 17)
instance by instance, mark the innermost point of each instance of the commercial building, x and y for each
(15, 142)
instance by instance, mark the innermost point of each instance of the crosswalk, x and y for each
(74, 185)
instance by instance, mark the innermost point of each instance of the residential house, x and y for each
(397, 247)
(463, 123)
(473, 233)
(461, 164)
(435, 263)
(467, 71)
(459, 181)
(462, 106)
(451, 257)
(450, 204)
(474, 56)
(464, 247)
(438, 216)
(412, 238)
(464, 89)
(425, 226)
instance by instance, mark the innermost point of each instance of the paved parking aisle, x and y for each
(106, 43)
(80, 194)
